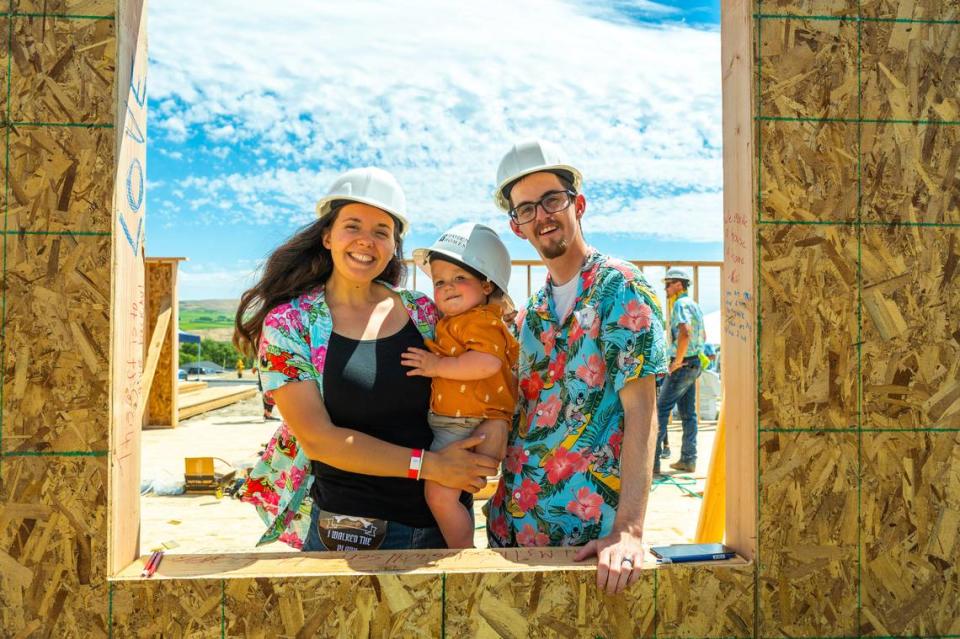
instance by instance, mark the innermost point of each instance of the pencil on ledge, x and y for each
(151, 566)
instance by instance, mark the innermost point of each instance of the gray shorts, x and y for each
(447, 430)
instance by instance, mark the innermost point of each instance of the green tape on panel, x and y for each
(78, 125)
(77, 233)
(68, 453)
(857, 18)
(892, 224)
(861, 120)
(56, 16)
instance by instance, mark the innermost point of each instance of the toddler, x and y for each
(471, 361)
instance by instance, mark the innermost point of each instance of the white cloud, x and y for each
(204, 280)
(681, 217)
(437, 96)
(175, 128)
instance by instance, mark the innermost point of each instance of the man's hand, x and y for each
(676, 365)
(422, 362)
(619, 557)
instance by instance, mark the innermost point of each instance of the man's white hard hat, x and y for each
(677, 274)
(531, 156)
(476, 245)
(368, 185)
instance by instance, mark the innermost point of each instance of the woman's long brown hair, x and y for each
(298, 266)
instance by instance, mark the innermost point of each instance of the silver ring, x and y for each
(627, 560)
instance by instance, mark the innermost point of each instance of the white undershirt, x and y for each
(564, 296)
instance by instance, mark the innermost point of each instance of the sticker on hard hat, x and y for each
(452, 238)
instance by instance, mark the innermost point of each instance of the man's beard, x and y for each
(555, 250)
(551, 251)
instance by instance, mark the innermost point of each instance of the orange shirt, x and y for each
(479, 329)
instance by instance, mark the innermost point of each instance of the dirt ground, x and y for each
(234, 434)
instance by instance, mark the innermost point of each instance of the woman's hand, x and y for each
(458, 467)
(422, 362)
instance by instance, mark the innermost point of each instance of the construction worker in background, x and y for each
(578, 468)
(711, 352)
(687, 338)
(266, 400)
(240, 368)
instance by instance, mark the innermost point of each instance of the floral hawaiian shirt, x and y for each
(561, 475)
(685, 311)
(293, 347)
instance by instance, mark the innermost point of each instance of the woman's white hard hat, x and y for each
(476, 245)
(368, 185)
(531, 156)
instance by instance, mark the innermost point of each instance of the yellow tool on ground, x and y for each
(199, 476)
(710, 526)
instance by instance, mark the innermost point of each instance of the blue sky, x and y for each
(255, 107)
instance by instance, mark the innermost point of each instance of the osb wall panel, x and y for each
(60, 179)
(705, 602)
(808, 7)
(874, 323)
(377, 607)
(911, 9)
(66, 7)
(808, 311)
(808, 171)
(4, 63)
(911, 515)
(808, 534)
(548, 604)
(911, 173)
(53, 522)
(175, 609)
(911, 71)
(55, 382)
(911, 327)
(808, 68)
(899, 9)
(62, 70)
(161, 407)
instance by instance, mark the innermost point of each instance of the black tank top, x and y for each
(366, 388)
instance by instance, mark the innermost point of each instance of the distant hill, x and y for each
(210, 319)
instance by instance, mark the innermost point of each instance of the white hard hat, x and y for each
(368, 185)
(677, 274)
(531, 156)
(475, 245)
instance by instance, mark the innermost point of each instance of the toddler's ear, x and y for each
(508, 310)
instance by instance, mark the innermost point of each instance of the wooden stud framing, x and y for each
(129, 288)
(738, 289)
(161, 292)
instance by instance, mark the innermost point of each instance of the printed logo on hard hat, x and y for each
(454, 239)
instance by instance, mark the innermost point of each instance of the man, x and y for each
(579, 463)
(711, 352)
(679, 389)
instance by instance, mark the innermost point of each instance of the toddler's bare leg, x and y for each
(452, 517)
(495, 445)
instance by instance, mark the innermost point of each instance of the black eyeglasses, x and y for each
(551, 202)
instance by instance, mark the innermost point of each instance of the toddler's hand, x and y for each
(422, 362)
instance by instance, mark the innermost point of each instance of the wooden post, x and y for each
(161, 292)
(738, 290)
(129, 294)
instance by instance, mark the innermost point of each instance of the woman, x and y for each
(330, 326)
